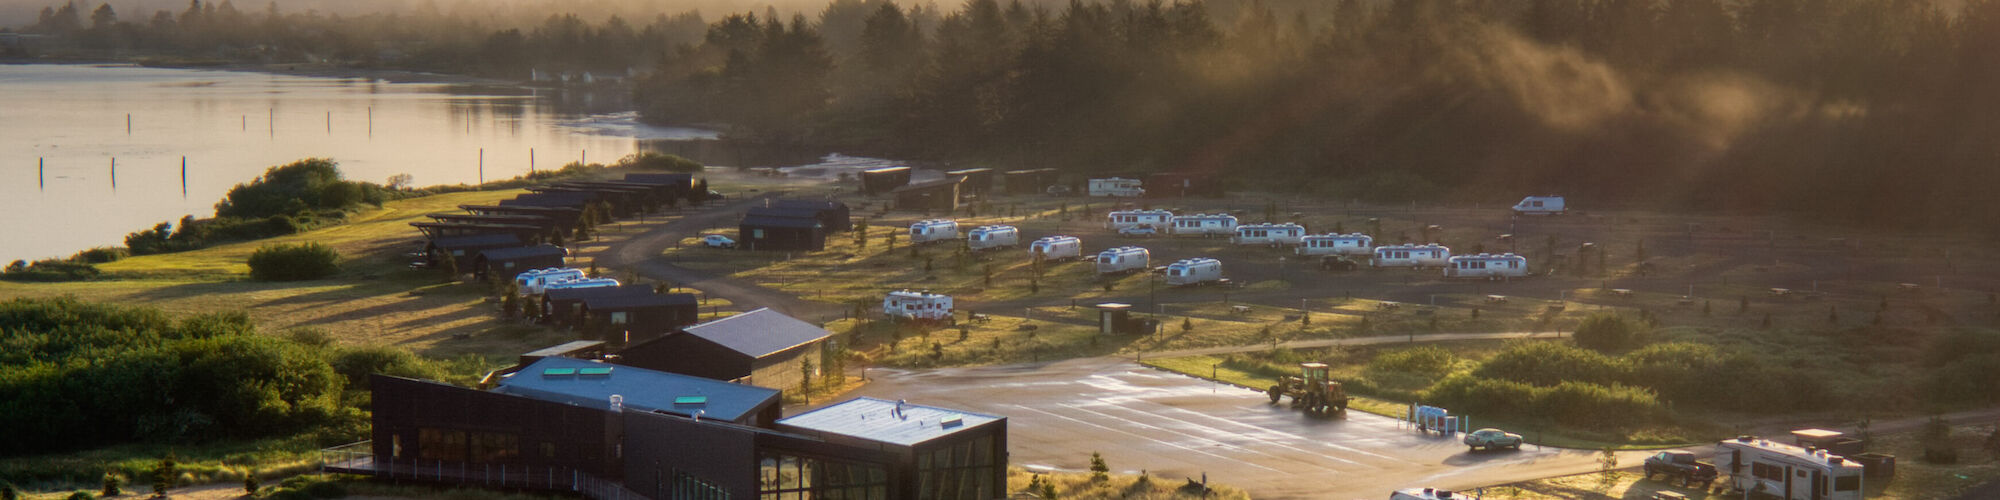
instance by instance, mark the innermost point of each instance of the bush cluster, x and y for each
(47, 270)
(656, 161)
(294, 262)
(1576, 404)
(287, 199)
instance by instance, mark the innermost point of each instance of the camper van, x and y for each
(1336, 244)
(582, 283)
(1432, 255)
(990, 237)
(1056, 248)
(1203, 225)
(926, 231)
(1787, 471)
(1194, 271)
(1540, 205)
(1116, 187)
(531, 282)
(1426, 494)
(1269, 234)
(1123, 219)
(1123, 259)
(1486, 265)
(918, 306)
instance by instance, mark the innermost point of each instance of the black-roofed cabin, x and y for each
(463, 248)
(934, 195)
(525, 233)
(563, 218)
(876, 181)
(419, 424)
(781, 229)
(1182, 185)
(978, 181)
(680, 186)
(633, 317)
(761, 347)
(506, 263)
(623, 202)
(563, 307)
(832, 215)
(1033, 181)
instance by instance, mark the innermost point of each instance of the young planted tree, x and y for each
(1099, 471)
(111, 485)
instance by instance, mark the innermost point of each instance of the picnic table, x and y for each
(1239, 309)
(1496, 299)
(1621, 292)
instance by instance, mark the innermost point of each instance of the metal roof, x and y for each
(949, 181)
(884, 169)
(524, 252)
(475, 240)
(606, 291)
(564, 348)
(591, 384)
(758, 333)
(880, 420)
(677, 180)
(636, 300)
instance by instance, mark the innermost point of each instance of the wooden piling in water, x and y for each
(531, 160)
(329, 122)
(128, 124)
(114, 173)
(184, 177)
(482, 168)
(41, 174)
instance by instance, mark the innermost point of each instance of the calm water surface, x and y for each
(230, 126)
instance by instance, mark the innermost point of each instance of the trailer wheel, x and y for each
(1276, 393)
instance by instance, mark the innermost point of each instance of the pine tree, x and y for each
(1099, 471)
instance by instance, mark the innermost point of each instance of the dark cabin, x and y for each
(934, 195)
(564, 306)
(632, 317)
(1182, 185)
(525, 233)
(1034, 181)
(678, 185)
(464, 248)
(978, 181)
(506, 263)
(568, 199)
(761, 347)
(876, 181)
(832, 215)
(564, 218)
(781, 229)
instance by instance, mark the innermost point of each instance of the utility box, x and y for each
(1114, 318)
(1833, 441)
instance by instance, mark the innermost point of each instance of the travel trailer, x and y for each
(1432, 255)
(583, 283)
(1122, 219)
(1787, 471)
(1336, 244)
(1203, 225)
(1269, 234)
(1427, 494)
(1540, 205)
(1486, 265)
(990, 237)
(1123, 259)
(918, 306)
(926, 231)
(531, 282)
(1116, 187)
(1194, 271)
(1055, 248)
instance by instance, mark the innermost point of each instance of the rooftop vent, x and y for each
(558, 372)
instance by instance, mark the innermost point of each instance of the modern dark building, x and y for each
(464, 248)
(936, 452)
(505, 263)
(564, 306)
(635, 317)
(978, 181)
(781, 229)
(934, 195)
(1033, 181)
(1182, 185)
(876, 181)
(761, 347)
(832, 215)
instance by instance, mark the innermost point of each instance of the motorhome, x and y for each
(1486, 265)
(1203, 225)
(1432, 255)
(932, 230)
(1123, 259)
(1269, 234)
(1055, 248)
(1426, 494)
(1336, 244)
(1122, 219)
(1116, 187)
(918, 306)
(1194, 271)
(1541, 205)
(991, 237)
(531, 282)
(582, 283)
(1787, 471)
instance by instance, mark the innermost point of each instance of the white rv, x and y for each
(531, 282)
(583, 283)
(1432, 255)
(1787, 471)
(1540, 205)
(926, 231)
(1204, 225)
(1427, 494)
(990, 237)
(1123, 259)
(1194, 271)
(1116, 187)
(1055, 248)
(918, 306)
(1336, 244)
(1122, 219)
(1486, 265)
(1269, 234)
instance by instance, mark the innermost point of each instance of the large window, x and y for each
(492, 447)
(959, 471)
(1767, 471)
(790, 477)
(441, 444)
(1846, 483)
(688, 487)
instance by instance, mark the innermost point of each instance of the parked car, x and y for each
(717, 195)
(1338, 263)
(1138, 232)
(1682, 465)
(1492, 438)
(717, 241)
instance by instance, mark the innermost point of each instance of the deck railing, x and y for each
(359, 458)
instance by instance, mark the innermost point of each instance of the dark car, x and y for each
(1338, 263)
(1680, 464)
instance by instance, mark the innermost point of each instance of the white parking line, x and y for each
(1129, 433)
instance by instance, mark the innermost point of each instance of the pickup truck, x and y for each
(1680, 464)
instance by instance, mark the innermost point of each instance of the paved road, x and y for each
(641, 253)
(1386, 339)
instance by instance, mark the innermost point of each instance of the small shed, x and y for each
(833, 215)
(1033, 181)
(781, 229)
(1114, 318)
(506, 263)
(876, 181)
(564, 306)
(941, 194)
(978, 181)
(762, 347)
(942, 452)
(631, 317)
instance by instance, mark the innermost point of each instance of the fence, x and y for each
(359, 458)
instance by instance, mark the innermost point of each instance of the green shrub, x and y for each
(80, 495)
(304, 185)
(112, 484)
(1574, 404)
(294, 262)
(100, 255)
(356, 363)
(1428, 360)
(51, 270)
(326, 489)
(656, 161)
(1606, 332)
(288, 494)
(1550, 363)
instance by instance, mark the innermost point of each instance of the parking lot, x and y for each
(1176, 427)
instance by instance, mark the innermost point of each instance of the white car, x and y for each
(717, 241)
